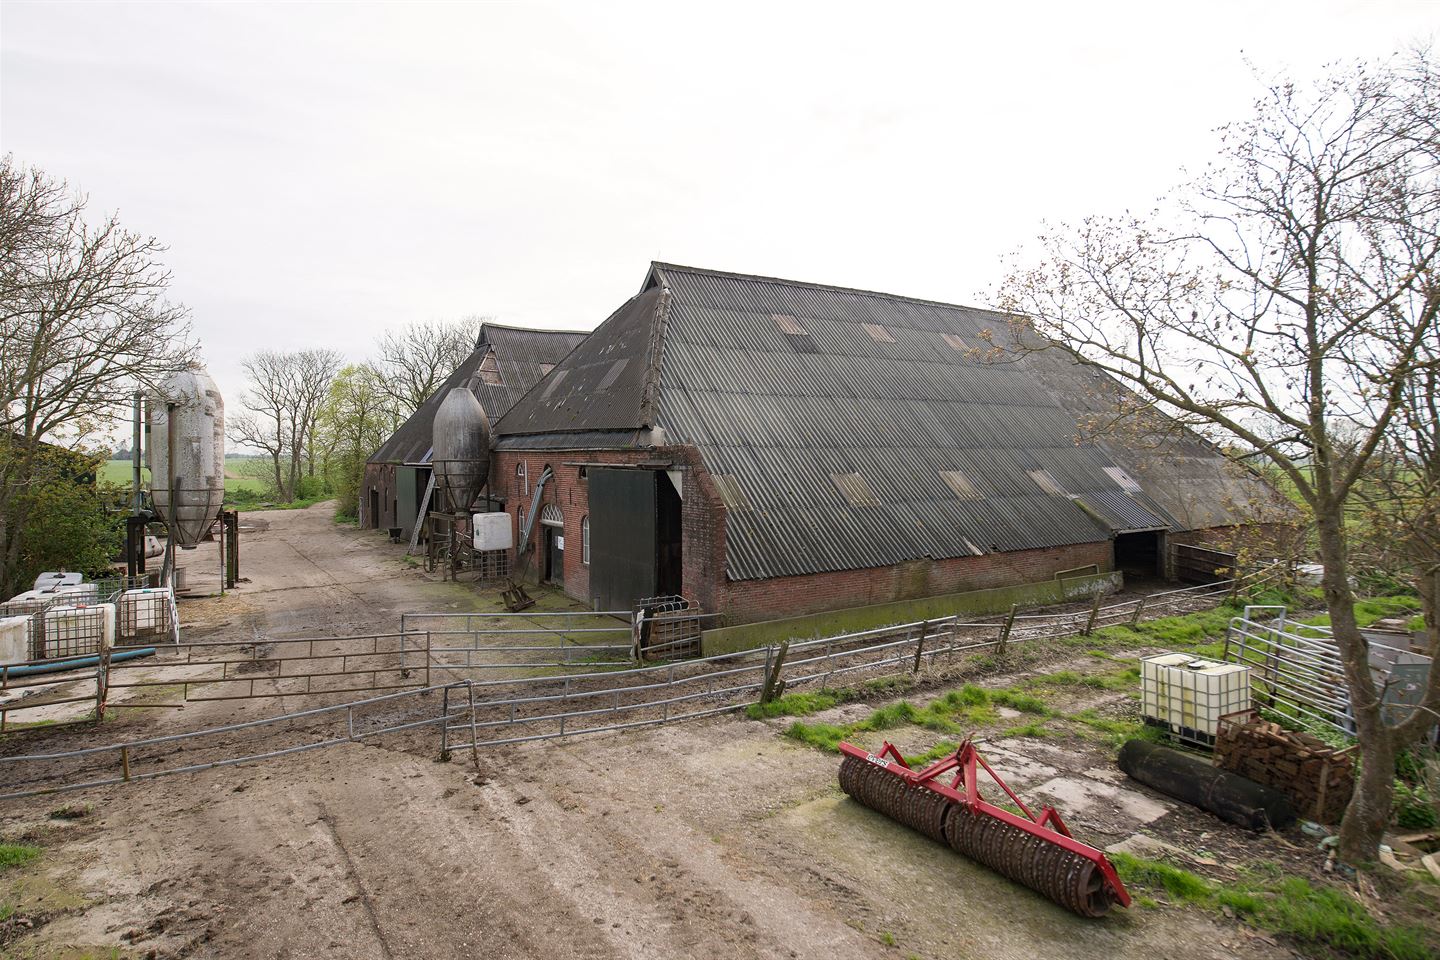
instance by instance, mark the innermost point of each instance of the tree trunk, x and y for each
(1368, 814)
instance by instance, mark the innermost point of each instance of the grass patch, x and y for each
(1116, 731)
(1291, 906)
(1034, 728)
(1374, 608)
(956, 712)
(17, 855)
(794, 705)
(1126, 678)
(1024, 702)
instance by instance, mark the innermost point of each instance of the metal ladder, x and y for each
(421, 515)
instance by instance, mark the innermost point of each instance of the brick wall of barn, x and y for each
(750, 600)
(703, 546)
(379, 477)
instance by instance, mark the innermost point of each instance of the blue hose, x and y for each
(74, 664)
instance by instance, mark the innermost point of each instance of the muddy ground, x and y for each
(714, 839)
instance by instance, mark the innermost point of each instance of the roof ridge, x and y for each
(757, 278)
(510, 326)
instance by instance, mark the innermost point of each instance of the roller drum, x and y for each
(1049, 869)
(1066, 878)
(914, 806)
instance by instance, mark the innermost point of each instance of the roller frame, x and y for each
(964, 789)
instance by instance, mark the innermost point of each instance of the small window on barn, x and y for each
(878, 333)
(490, 370)
(546, 368)
(788, 324)
(728, 486)
(856, 491)
(961, 484)
(1046, 482)
(612, 374)
(523, 477)
(956, 344)
(585, 539)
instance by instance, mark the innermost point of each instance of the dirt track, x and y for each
(713, 839)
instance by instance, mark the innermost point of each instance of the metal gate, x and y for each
(1202, 565)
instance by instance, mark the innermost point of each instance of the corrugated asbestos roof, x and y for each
(851, 429)
(608, 385)
(521, 358)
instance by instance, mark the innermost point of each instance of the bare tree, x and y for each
(414, 360)
(84, 321)
(1281, 307)
(1397, 528)
(281, 406)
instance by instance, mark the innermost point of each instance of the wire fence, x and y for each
(473, 714)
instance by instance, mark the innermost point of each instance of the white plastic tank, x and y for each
(14, 639)
(75, 593)
(493, 531)
(79, 630)
(144, 612)
(460, 449)
(186, 453)
(1189, 695)
(55, 578)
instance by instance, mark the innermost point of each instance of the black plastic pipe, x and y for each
(1227, 795)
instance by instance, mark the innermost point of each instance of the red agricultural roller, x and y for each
(1038, 852)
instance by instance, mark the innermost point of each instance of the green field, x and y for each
(118, 471)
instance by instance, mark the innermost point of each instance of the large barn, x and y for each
(768, 448)
(507, 361)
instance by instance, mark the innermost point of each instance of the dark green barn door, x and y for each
(622, 537)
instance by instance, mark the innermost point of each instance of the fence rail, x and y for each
(284, 667)
(1296, 668)
(521, 709)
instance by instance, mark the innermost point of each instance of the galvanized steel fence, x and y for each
(470, 714)
(1296, 669)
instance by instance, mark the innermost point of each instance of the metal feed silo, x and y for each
(186, 453)
(461, 449)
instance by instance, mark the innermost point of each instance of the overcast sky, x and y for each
(323, 171)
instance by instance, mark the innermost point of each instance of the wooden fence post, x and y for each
(1094, 612)
(920, 645)
(774, 685)
(1005, 631)
(445, 725)
(1139, 609)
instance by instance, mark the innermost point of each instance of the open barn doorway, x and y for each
(1140, 554)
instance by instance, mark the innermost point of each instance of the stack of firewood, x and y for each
(1316, 777)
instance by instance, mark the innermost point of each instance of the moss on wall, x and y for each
(971, 603)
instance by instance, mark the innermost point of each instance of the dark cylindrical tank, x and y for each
(1227, 795)
(461, 449)
(186, 453)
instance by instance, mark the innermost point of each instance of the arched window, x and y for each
(520, 474)
(585, 539)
